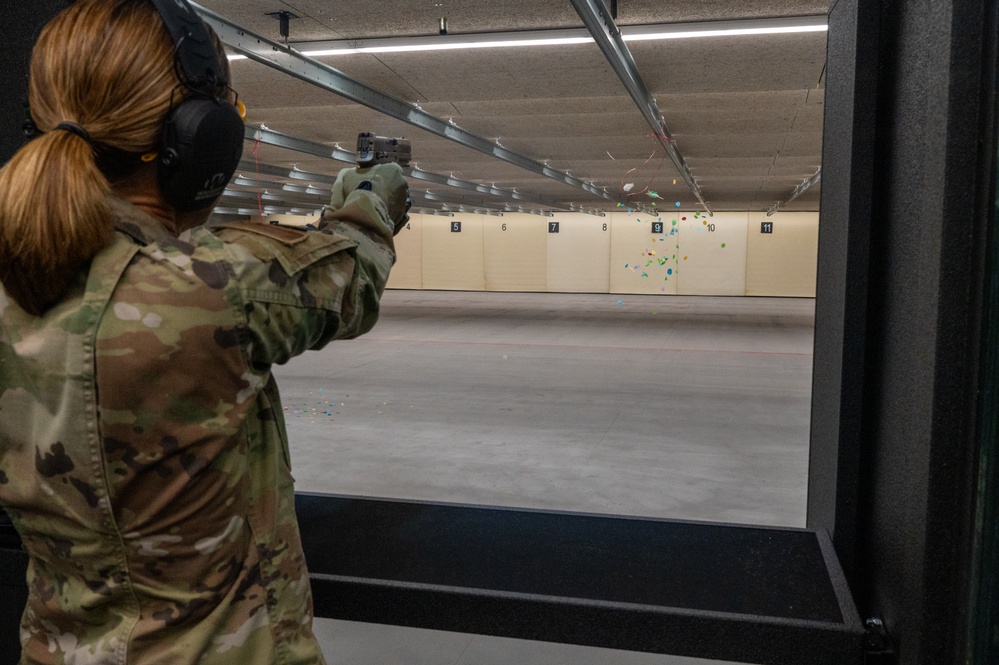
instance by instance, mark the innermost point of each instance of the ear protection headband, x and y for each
(203, 135)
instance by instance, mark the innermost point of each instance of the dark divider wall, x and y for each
(23, 21)
(903, 352)
(842, 278)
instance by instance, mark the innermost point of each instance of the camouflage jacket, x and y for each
(143, 455)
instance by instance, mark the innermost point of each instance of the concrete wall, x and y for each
(516, 252)
(681, 252)
(783, 261)
(453, 253)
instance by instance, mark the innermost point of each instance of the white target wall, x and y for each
(681, 252)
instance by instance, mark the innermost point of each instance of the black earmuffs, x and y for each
(203, 135)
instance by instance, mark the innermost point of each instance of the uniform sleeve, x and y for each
(301, 289)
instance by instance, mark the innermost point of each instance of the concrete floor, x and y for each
(665, 406)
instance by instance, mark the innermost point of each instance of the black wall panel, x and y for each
(903, 300)
(22, 22)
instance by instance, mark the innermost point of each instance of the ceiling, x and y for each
(745, 111)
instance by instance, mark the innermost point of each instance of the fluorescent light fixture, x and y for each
(446, 45)
(567, 37)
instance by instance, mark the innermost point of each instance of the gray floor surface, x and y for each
(663, 406)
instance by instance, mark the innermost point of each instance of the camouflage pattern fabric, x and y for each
(143, 456)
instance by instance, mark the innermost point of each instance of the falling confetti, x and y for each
(674, 181)
(620, 302)
(677, 204)
(630, 186)
(654, 195)
(645, 274)
(723, 245)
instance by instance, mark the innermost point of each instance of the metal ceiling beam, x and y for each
(268, 136)
(288, 60)
(280, 197)
(608, 37)
(265, 177)
(798, 191)
(271, 137)
(262, 176)
(451, 181)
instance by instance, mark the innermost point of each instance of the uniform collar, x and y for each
(138, 225)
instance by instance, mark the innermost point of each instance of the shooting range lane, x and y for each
(673, 407)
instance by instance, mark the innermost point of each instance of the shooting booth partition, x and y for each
(902, 446)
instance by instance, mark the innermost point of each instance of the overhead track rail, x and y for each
(798, 191)
(288, 60)
(608, 37)
(315, 202)
(267, 176)
(270, 137)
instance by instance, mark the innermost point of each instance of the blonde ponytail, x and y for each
(107, 67)
(54, 217)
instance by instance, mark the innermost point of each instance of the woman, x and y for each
(143, 458)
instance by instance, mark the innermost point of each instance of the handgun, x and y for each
(373, 150)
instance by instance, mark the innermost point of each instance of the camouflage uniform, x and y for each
(143, 455)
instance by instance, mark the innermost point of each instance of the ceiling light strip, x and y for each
(562, 37)
(293, 63)
(798, 191)
(598, 21)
